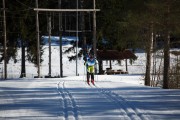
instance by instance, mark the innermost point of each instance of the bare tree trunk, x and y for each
(166, 52)
(148, 68)
(166, 62)
(38, 42)
(60, 40)
(148, 63)
(154, 71)
(159, 72)
(126, 65)
(5, 46)
(23, 65)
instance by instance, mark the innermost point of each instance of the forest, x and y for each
(120, 24)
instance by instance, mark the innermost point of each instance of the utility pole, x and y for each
(60, 40)
(94, 28)
(37, 37)
(49, 28)
(5, 52)
(83, 29)
(77, 38)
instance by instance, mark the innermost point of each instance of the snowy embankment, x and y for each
(69, 68)
(119, 97)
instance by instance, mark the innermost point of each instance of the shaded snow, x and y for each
(114, 97)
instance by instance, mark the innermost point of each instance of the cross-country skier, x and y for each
(90, 65)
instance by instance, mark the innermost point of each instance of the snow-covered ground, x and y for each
(119, 97)
(69, 68)
(114, 97)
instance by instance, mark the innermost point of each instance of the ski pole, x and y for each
(96, 73)
(84, 77)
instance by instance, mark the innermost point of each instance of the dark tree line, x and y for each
(136, 23)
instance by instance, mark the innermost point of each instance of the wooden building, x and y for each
(113, 55)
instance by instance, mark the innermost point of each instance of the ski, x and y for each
(90, 84)
(93, 84)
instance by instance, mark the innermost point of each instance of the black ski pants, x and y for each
(90, 75)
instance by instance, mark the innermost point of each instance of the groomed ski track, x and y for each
(126, 110)
(59, 99)
(104, 100)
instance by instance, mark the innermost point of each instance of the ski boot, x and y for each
(88, 82)
(92, 81)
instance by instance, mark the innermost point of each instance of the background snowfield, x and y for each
(69, 68)
(114, 97)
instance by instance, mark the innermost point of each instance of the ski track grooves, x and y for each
(99, 90)
(70, 108)
(126, 108)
